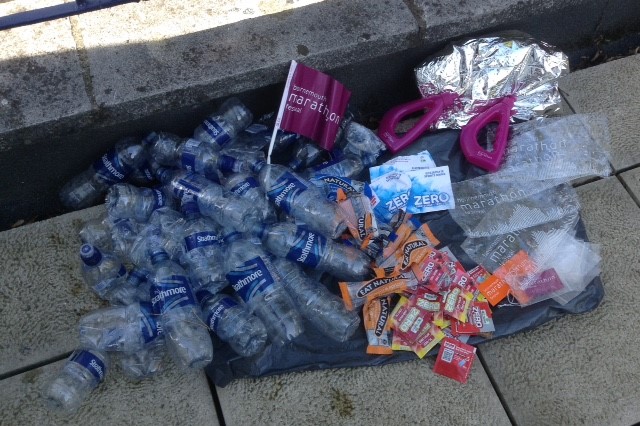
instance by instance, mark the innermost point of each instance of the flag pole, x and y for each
(283, 102)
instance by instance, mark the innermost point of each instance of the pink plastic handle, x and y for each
(436, 105)
(474, 153)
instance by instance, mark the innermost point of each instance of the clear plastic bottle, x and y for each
(246, 186)
(347, 166)
(257, 282)
(232, 322)
(126, 201)
(221, 127)
(186, 336)
(123, 234)
(103, 272)
(301, 199)
(120, 328)
(323, 309)
(225, 208)
(312, 250)
(204, 249)
(163, 147)
(362, 143)
(305, 154)
(84, 370)
(88, 187)
(191, 155)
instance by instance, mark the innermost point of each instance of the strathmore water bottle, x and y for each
(246, 186)
(256, 281)
(186, 336)
(191, 155)
(103, 272)
(225, 208)
(362, 143)
(127, 201)
(123, 234)
(324, 310)
(120, 328)
(143, 363)
(113, 167)
(313, 250)
(203, 249)
(306, 154)
(225, 124)
(232, 322)
(84, 370)
(301, 199)
(347, 166)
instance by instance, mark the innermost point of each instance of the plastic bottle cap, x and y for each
(159, 256)
(90, 255)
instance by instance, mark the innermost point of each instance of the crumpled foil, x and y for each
(483, 70)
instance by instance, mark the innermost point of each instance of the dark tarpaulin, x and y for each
(313, 351)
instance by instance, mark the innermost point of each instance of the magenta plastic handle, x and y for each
(474, 153)
(436, 105)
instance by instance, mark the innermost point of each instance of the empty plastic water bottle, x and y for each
(313, 250)
(84, 370)
(127, 201)
(103, 272)
(257, 136)
(88, 187)
(362, 143)
(204, 249)
(191, 155)
(345, 166)
(301, 199)
(324, 310)
(257, 282)
(154, 235)
(144, 363)
(186, 336)
(221, 127)
(246, 186)
(120, 328)
(143, 174)
(225, 208)
(232, 322)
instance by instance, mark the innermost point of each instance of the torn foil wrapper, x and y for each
(486, 69)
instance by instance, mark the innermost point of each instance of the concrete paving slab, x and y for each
(193, 54)
(558, 23)
(631, 179)
(406, 393)
(40, 72)
(42, 293)
(583, 369)
(611, 89)
(171, 398)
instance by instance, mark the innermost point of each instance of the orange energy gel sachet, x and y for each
(377, 323)
(355, 294)
(516, 271)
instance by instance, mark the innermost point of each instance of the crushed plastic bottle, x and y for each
(257, 282)
(301, 199)
(246, 186)
(103, 272)
(323, 309)
(125, 201)
(83, 371)
(186, 336)
(88, 187)
(232, 322)
(221, 127)
(313, 250)
(143, 364)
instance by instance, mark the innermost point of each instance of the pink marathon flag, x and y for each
(313, 105)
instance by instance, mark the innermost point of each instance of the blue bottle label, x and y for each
(243, 186)
(216, 132)
(326, 164)
(250, 278)
(217, 311)
(109, 169)
(149, 324)
(308, 248)
(188, 157)
(91, 363)
(159, 199)
(285, 190)
(147, 172)
(172, 292)
(228, 164)
(202, 239)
